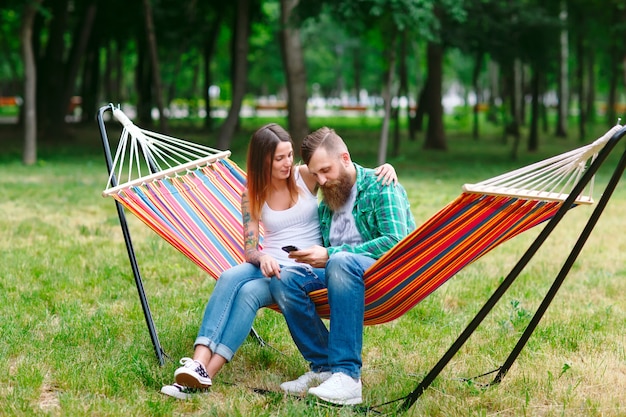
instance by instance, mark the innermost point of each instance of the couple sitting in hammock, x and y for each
(364, 213)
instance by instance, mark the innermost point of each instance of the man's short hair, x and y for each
(325, 138)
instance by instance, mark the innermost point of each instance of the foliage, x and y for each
(346, 52)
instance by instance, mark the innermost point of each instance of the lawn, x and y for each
(74, 342)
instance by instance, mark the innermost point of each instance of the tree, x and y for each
(447, 14)
(435, 136)
(208, 51)
(29, 156)
(239, 62)
(154, 64)
(563, 90)
(386, 19)
(387, 96)
(81, 38)
(59, 40)
(295, 72)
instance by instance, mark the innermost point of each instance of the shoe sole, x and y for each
(351, 401)
(294, 392)
(191, 381)
(337, 401)
(174, 392)
(305, 387)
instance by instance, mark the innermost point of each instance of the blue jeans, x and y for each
(238, 294)
(337, 350)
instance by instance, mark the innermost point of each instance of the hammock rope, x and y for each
(193, 202)
(165, 155)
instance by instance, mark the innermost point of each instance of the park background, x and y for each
(449, 92)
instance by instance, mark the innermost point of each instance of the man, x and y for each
(360, 220)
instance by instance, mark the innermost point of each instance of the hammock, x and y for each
(193, 202)
(190, 196)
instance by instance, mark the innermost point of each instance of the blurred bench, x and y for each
(355, 107)
(271, 106)
(10, 101)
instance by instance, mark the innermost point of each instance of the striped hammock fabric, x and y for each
(198, 213)
(195, 206)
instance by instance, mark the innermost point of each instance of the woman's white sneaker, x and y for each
(178, 391)
(339, 389)
(192, 374)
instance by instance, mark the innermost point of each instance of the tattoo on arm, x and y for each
(250, 233)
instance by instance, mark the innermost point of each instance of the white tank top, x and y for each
(298, 225)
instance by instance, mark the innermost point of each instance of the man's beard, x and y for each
(337, 192)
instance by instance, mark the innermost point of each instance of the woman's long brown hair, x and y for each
(261, 152)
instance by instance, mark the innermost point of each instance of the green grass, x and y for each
(73, 340)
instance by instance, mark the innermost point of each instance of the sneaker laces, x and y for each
(196, 366)
(188, 362)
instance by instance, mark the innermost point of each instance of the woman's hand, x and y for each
(269, 267)
(386, 174)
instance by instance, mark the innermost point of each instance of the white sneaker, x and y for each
(301, 384)
(177, 391)
(192, 374)
(339, 389)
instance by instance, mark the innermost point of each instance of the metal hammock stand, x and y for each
(573, 198)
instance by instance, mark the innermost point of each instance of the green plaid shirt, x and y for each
(381, 212)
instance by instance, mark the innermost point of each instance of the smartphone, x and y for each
(289, 248)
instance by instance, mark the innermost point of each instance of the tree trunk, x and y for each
(208, 52)
(387, 94)
(417, 121)
(154, 64)
(50, 82)
(295, 74)
(143, 82)
(611, 116)
(533, 136)
(107, 75)
(240, 73)
(120, 94)
(357, 68)
(591, 91)
(493, 70)
(563, 88)
(516, 106)
(435, 136)
(29, 156)
(403, 91)
(79, 45)
(582, 90)
(475, 75)
(91, 82)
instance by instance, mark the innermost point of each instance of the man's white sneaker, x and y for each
(300, 385)
(339, 389)
(192, 374)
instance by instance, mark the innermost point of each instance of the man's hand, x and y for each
(316, 256)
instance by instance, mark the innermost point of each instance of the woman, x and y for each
(284, 199)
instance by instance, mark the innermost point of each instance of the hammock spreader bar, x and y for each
(181, 208)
